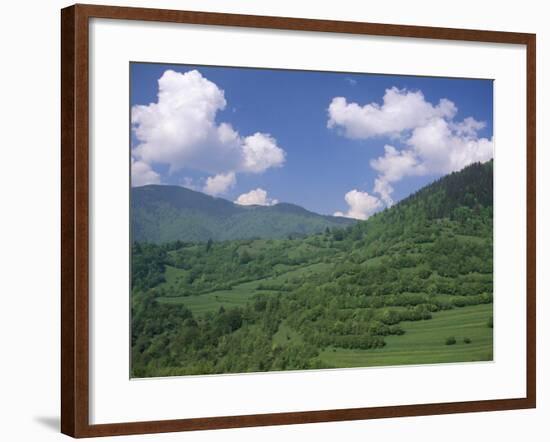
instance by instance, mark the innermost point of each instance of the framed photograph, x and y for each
(273, 221)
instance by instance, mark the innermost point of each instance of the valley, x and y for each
(411, 285)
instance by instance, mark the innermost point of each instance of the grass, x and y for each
(299, 271)
(424, 342)
(237, 296)
(172, 276)
(212, 301)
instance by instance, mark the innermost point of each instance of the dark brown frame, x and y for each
(74, 219)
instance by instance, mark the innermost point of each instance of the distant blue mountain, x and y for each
(169, 213)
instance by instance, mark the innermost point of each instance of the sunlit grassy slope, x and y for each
(424, 342)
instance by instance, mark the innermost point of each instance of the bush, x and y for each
(490, 322)
(450, 340)
(396, 330)
(467, 340)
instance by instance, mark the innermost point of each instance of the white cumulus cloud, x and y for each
(142, 174)
(438, 147)
(180, 130)
(255, 197)
(400, 110)
(261, 152)
(395, 164)
(384, 189)
(361, 205)
(432, 142)
(444, 147)
(220, 183)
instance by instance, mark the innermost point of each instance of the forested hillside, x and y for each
(170, 213)
(412, 284)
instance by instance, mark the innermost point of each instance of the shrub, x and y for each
(396, 330)
(450, 340)
(467, 340)
(490, 322)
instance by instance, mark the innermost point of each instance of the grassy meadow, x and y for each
(424, 342)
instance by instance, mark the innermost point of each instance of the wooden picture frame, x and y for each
(75, 219)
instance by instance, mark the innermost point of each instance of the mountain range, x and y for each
(162, 213)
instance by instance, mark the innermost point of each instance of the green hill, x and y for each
(413, 284)
(169, 213)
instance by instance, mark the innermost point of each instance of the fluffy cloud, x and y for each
(432, 141)
(261, 153)
(439, 147)
(444, 147)
(255, 197)
(142, 174)
(400, 110)
(469, 127)
(384, 189)
(180, 130)
(220, 183)
(361, 205)
(395, 164)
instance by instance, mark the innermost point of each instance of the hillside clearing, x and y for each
(424, 342)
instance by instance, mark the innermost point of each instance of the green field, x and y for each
(238, 296)
(424, 342)
(211, 302)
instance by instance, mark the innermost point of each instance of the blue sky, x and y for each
(341, 143)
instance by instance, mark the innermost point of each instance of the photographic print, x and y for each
(293, 220)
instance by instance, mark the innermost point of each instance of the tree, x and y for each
(209, 244)
(338, 234)
(245, 257)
